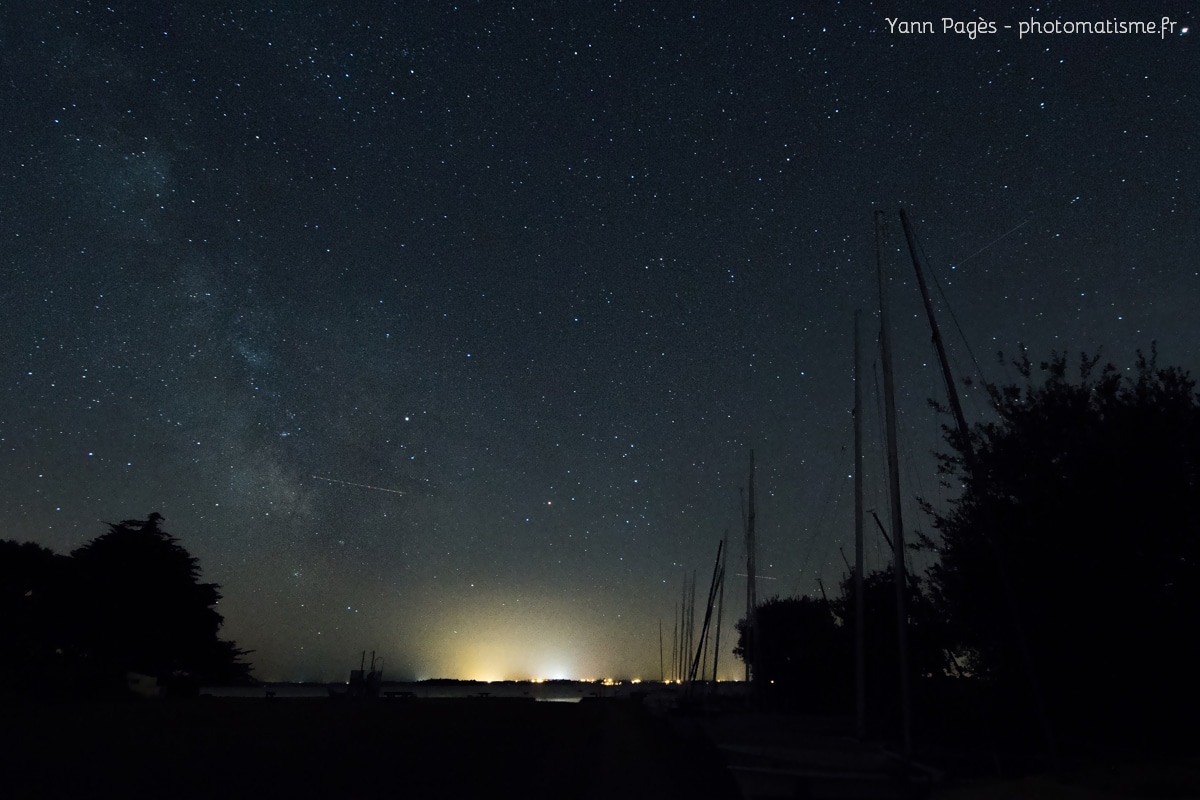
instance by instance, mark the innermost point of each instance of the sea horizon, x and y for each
(560, 690)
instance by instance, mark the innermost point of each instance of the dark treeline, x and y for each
(1062, 606)
(129, 601)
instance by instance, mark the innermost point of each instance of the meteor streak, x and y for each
(359, 485)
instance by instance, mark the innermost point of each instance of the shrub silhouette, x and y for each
(1085, 496)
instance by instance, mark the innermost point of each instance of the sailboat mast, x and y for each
(701, 649)
(751, 585)
(720, 608)
(675, 646)
(682, 627)
(889, 396)
(685, 641)
(860, 676)
(960, 420)
(691, 627)
(749, 654)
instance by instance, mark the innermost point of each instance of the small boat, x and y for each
(362, 683)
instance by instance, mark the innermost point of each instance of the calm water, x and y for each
(655, 695)
(549, 691)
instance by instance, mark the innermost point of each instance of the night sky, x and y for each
(447, 331)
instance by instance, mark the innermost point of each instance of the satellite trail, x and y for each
(359, 485)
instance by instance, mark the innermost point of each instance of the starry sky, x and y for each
(446, 330)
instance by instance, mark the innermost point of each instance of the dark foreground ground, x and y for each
(307, 748)
(487, 748)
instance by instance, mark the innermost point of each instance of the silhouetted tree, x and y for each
(1084, 496)
(927, 642)
(129, 600)
(33, 629)
(145, 608)
(801, 654)
(928, 645)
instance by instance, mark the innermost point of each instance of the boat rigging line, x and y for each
(920, 247)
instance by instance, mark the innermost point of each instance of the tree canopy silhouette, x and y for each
(927, 645)
(131, 600)
(34, 630)
(807, 649)
(801, 654)
(1084, 498)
